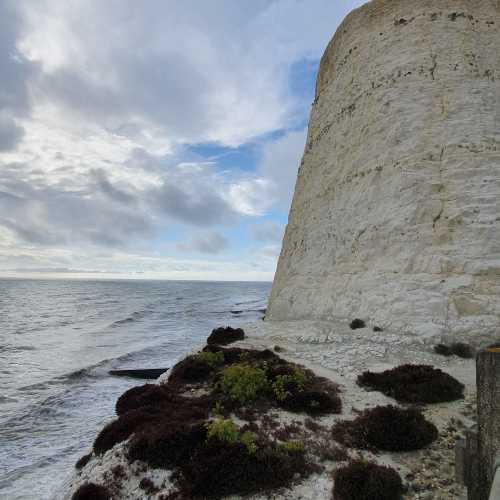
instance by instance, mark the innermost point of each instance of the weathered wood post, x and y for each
(488, 416)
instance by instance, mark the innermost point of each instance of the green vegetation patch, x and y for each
(243, 382)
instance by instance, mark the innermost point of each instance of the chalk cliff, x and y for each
(396, 212)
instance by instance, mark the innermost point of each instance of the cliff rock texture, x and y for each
(396, 212)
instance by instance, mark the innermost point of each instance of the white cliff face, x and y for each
(396, 212)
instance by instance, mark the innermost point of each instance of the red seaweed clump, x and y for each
(312, 402)
(356, 324)
(220, 468)
(458, 349)
(224, 336)
(83, 461)
(172, 409)
(360, 480)
(91, 491)
(168, 426)
(386, 428)
(414, 384)
(143, 395)
(121, 429)
(169, 445)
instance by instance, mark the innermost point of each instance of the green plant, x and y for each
(243, 382)
(212, 359)
(279, 388)
(296, 380)
(223, 430)
(227, 431)
(218, 409)
(248, 439)
(292, 446)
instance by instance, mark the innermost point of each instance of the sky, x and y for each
(157, 139)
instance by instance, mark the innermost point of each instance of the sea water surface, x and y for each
(59, 338)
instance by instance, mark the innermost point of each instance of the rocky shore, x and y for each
(335, 352)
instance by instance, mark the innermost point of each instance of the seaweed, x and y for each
(91, 491)
(357, 323)
(169, 426)
(121, 429)
(168, 409)
(191, 369)
(458, 349)
(312, 402)
(221, 468)
(387, 428)
(168, 445)
(360, 480)
(414, 384)
(224, 336)
(143, 395)
(83, 461)
(148, 486)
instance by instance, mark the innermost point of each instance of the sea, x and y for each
(60, 338)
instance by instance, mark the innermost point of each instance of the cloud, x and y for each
(186, 80)
(195, 194)
(267, 231)
(208, 242)
(41, 214)
(10, 133)
(100, 102)
(15, 71)
(97, 209)
(198, 88)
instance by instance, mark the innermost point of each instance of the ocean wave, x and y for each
(257, 301)
(135, 316)
(100, 369)
(16, 348)
(96, 370)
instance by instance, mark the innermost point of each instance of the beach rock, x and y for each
(395, 216)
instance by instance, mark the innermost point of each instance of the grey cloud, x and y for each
(103, 184)
(198, 207)
(209, 242)
(168, 65)
(42, 214)
(267, 232)
(104, 212)
(15, 71)
(10, 133)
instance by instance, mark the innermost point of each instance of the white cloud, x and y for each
(99, 100)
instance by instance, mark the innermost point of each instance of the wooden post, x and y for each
(488, 417)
